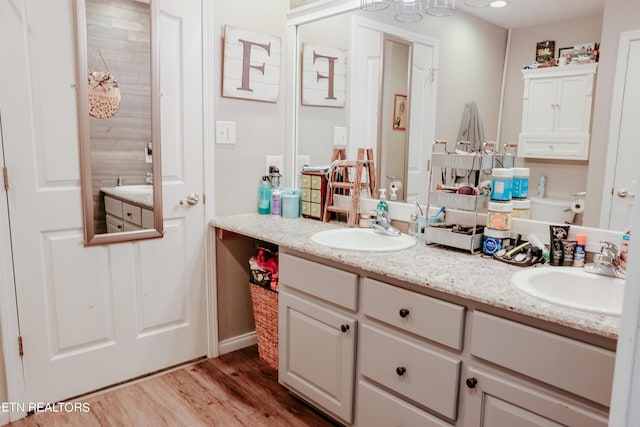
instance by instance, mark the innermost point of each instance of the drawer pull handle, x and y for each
(472, 382)
(401, 370)
(129, 214)
(344, 328)
(404, 312)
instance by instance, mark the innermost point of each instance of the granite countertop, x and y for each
(453, 272)
(143, 199)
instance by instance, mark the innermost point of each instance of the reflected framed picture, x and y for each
(399, 112)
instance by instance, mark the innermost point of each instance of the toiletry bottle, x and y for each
(541, 185)
(264, 196)
(413, 224)
(276, 201)
(624, 248)
(580, 253)
(383, 208)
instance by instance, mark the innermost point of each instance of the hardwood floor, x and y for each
(236, 389)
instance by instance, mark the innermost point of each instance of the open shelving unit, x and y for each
(442, 233)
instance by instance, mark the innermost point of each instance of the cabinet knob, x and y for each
(400, 370)
(344, 328)
(472, 382)
(403, 312)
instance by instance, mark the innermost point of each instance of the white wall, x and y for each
(260, 126)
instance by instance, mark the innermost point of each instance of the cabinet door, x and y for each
(573, 106)
(540, 110)
(500, 401)
(317, 354)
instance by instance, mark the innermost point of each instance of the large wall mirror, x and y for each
(119, 110)
(471, 62)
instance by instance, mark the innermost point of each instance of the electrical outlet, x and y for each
(302, 160)
(274, 161)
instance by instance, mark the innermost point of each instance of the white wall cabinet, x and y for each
(556, 113)
(421, 361)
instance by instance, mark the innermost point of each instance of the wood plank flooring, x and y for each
(236, 389)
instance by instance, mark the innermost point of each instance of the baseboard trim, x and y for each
(237, 343)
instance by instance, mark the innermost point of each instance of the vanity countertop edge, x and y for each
(452, 272)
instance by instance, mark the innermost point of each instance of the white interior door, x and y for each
(625, 134)
(93, 316)
(421, 121)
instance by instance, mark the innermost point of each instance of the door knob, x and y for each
(192, 199)
(624, 193)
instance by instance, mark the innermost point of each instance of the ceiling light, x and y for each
(498, 3)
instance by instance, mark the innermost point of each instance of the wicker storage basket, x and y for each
(265, 313)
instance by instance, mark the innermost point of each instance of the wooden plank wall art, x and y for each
(251, 65)
(324, 75)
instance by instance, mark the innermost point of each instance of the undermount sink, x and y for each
(362, 239)
(572, 287)
(142, 188)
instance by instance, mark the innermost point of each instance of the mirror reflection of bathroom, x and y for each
(393, 127)
(119, 58)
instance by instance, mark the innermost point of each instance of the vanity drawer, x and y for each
(113, 206)
(114, 224)
(570, 365)
(147, 219)
(132, 213)
(427, 317)
(416, 371)
(306, 195)
(379, 408)
(328, 283)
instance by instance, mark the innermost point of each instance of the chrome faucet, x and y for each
(382, 224)
(607, 262)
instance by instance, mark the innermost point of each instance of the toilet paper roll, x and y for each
(577, 206)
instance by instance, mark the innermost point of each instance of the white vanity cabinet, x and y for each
(123, 216)
(317, 334)
(556, 114)
(422, 361)
(495, 397)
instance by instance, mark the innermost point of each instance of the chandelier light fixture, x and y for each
(412, 10)
(477, 3)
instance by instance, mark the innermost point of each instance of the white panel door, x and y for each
(627, 173)
(91, 317)
(422, 125)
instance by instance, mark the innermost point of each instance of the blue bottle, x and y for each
(264, 196)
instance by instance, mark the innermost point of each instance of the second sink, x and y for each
(573, 288)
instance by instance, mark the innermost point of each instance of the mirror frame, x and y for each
(90, 236)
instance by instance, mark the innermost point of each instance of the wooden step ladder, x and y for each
(345, 178)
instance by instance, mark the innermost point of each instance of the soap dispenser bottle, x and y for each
(264, 196)
(382, 210)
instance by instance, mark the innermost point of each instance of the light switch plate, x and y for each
(225, 132)
(339, 135)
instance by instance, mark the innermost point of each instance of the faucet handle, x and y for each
(608, 248)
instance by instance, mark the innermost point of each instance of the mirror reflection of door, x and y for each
(393, 133)
(119, 43)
